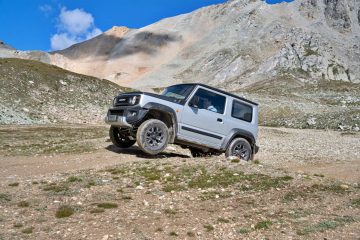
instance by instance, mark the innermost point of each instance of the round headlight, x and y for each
(132, 100)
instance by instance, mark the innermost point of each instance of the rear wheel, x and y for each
(119, 138)
(152, 136)
(239, 147)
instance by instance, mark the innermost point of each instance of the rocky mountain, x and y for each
(36, 93)
(235, 44)
(300, 60)
(3, 46)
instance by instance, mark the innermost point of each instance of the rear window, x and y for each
(242, 111)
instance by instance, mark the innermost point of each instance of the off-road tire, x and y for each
(152, 136)
(119, 139)
(239, 147)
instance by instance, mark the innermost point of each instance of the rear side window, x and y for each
(242, 111)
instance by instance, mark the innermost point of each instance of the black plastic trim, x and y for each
(157, 106)
(201, 132)
(236, 132)
(123, 110)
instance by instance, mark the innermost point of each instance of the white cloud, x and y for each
(95, 32)
(61, 41)
(75, 21)
(46, 9)
(74, 26)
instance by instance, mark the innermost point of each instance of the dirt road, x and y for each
(35, 151)
(69, 182)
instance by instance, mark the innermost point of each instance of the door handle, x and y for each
(219, 120)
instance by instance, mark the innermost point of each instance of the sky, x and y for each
(49, 25)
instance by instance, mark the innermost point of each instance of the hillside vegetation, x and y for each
(324, 105)
(34, 93)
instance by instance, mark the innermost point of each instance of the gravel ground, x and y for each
(303, 184)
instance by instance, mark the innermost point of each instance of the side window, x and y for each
(208, 100)
(242, 111)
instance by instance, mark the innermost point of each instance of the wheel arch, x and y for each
(165, 114)
(239, 133)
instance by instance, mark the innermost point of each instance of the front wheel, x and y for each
(152, 136)
(239, 147)
(119, 138)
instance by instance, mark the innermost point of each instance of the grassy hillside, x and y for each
(32, 92)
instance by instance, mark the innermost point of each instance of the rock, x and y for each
(105, 237)
(356, 128)
(26, 110)
(63, 83)
(344, 186)
(311, 121)
(171, 148)
(232, 158)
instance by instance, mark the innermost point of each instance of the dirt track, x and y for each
(299, 187)
(333, 154)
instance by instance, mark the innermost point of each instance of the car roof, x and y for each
(220, 91)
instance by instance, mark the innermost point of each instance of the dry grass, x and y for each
(64, 211)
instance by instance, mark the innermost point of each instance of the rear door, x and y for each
(203, 118)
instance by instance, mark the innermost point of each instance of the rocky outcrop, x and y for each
(337, 15)
(238, 43)
(4, 46)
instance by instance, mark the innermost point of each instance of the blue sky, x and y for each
(52, 24)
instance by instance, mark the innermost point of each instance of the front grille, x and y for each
(118, 112)
(124, 100)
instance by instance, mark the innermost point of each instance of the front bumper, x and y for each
(125, 116)
(116, 120)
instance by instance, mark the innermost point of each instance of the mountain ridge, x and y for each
(235, 44)
(300, 61)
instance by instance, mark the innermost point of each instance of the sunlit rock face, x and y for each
(233, 45)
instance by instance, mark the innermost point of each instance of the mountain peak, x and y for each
(5, 46)
(117, 31)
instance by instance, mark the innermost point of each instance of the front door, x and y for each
(203, 119)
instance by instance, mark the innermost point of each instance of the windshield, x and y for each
(179, 92)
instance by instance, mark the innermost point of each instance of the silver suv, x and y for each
(196, 116)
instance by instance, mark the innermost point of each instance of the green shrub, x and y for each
(107, 205)
(64, 211)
